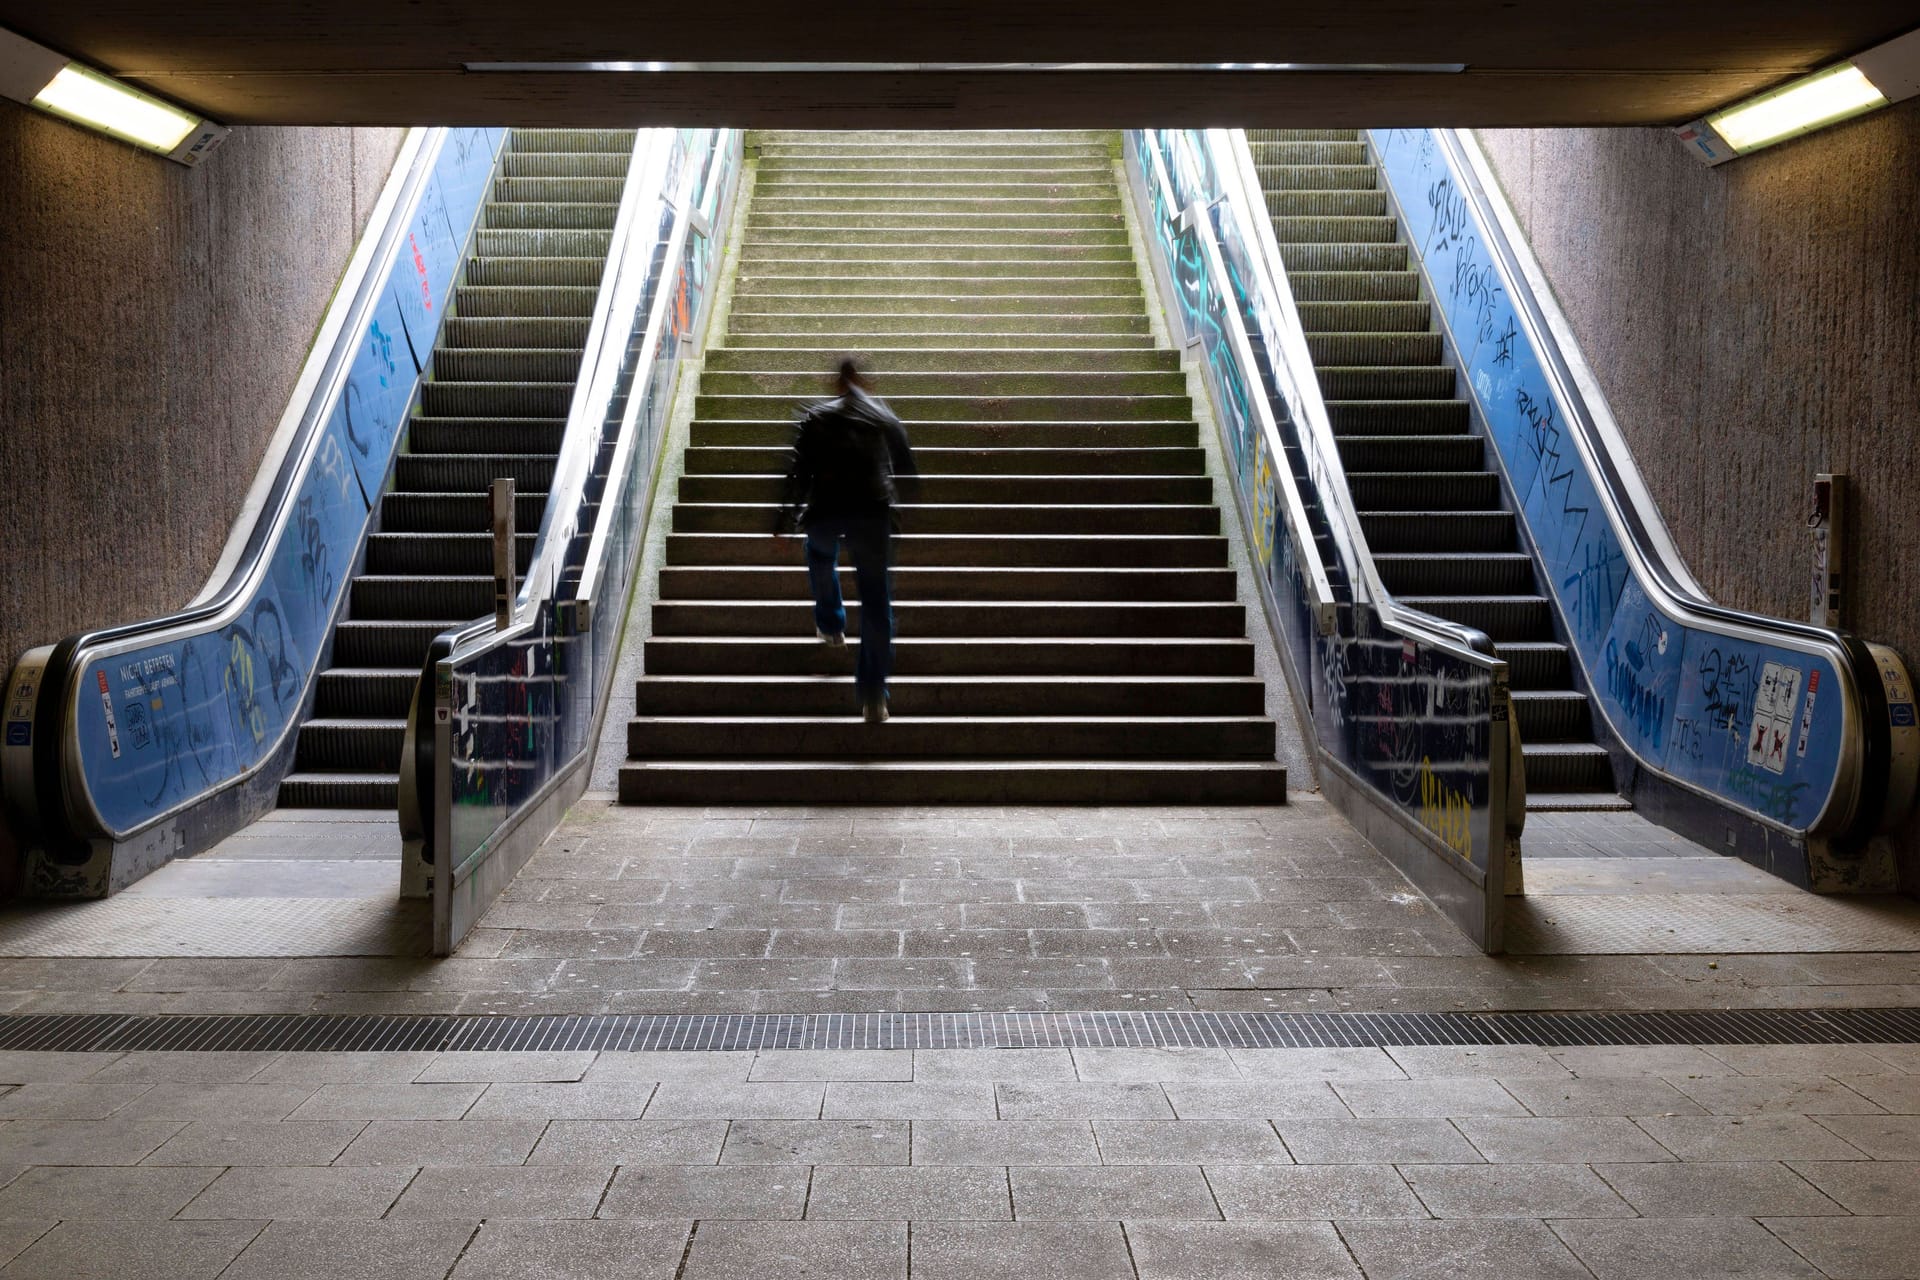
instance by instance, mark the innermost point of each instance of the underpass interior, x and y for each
(676, 1031)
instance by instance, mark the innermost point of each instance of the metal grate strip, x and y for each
(319, 1033)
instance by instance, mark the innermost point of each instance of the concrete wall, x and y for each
(152, 321)
(1751, 325)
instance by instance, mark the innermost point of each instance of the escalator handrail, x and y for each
(265, 514)
(1644, 538)
(1320, 596)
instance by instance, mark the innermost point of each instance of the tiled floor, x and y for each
(1511, 1162)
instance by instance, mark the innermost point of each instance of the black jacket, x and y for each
(850, 458)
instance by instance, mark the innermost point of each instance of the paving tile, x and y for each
(1799, 1060)
(256, 1142)
(1874, 1187)
(1728, 1189)
(1761, 1095)
(112, 1141)
(1189, 1142)
(206, 1068)
(375, 1250)
(1393, 1139)
(1460, 1250)
(584, 1142)
(282, 1193)
(743, 1191)
(1662, 1248)
(589, 1100)
(1020, 1251)
(1078, 1101)
(1585, 1139)
(443, 1142)
(1515, 1060)
(1882, 1137)
(506, 1066)
(688, 1100)
(1901, 1057)
(1315, 1192)
(1641, 1060)
(1765, 1137)
(1516, 1191)
(29, 1066)
(1256, 1099)
(81, 1100)
(345, 1068)
(1043, 1192)
(549, 1191)
(1316, 1064)
(993, 1142)
(909, 1101)
(1234, 1251)
(1600, 1096)
(510, 1250)
(1860, 1248)
(1138, 1065)
(668, 1064)
(922, 1194)
(389, 1102)
(16, 1236)
(816, 1142)
(100, 1193)
(1023, 1066)
(833, 1064)
(798, 1251)
(1431, 1096)
(135, 1251)
(1899, 1094)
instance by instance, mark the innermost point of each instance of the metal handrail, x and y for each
(1320, 595)
(246, 558)
(1629, 505)
(1233, 159)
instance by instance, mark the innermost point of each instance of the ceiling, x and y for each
(369, 62)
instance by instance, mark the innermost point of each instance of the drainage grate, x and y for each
(101, 1033)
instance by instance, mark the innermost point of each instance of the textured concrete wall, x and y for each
(1751, 325)
(152, 321)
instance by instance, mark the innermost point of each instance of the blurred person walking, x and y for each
(849, 462)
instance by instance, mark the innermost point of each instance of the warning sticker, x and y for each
(1773, 715)
(106, 705)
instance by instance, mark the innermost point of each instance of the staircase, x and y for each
(1429, 499)
(1067, 629)
(493, 405)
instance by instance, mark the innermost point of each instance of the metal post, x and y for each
(503, 558)
(1829, 525)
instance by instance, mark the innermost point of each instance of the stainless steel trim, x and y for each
(868, 68)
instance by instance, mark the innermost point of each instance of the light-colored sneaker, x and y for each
(876, 710)
(832, 639)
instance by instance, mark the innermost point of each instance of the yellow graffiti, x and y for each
(239, 687)
(1445, 812)
(1263, 503)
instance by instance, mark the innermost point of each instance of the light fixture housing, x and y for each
(1885, 74)
(38, 77)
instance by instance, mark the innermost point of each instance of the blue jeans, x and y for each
(869, 542)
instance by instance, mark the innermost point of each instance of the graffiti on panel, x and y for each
(1445, 812)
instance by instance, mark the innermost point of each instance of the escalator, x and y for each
(494, 405)
(1444, 536)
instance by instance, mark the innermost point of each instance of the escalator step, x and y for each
(1398, 417)
(487, 435)
(565, 140)
(1409, 453)
(1365, 317)
(1425, 490)
(524, 300)
(1541, 665)
(505, 364)
(1338, 203)
(524, 271)
(429, 554)
(566, 164)
(455, 512)
(1439, 573)
(1314, 153)
(339, 791)
(549, 217)
(1567, 767)
(541, 244)
(1354, 286)
(366, 692)
(1374, 348)
(1458, 531)
(1501, 617)
(360, 746)
(471, 472)
(489, 399)
(394, 643)
(408, 599)
(1344, 257)
(1316, 177)
(561, 190)
(1552, 715)
(1386, 382)
(1255, 136)
(558, 332)
(1356, 230)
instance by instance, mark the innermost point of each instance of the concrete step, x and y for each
(1006, 490)
(707, 695)
(995, 362)
(854, 339)
(977, 404)
(902, 782)
(980, 550)
(951, 737)
(1154, 656)
(860, 328)
(953, 582)
(934, 222)
(775, 204)
(913, 172)
(1070, 518)
(926, 274)
(946, 303)
(771, 458)
(903, 388)
(971, 282)
(980, 618)
(1043, 161)
(1104, 252)
(945, 238)
(1056, 435)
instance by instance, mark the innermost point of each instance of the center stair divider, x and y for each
(1067, 624)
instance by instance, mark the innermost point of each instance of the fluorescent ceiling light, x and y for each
(861, 68)
(1820, 100)
(39, 77)
(89, 98)
(1887, 73)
